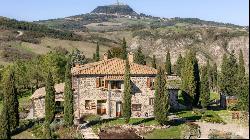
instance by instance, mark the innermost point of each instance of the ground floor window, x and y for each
(90, 104)
(136, 107)
(59, 107)
(151, 101)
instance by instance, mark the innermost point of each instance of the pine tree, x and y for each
(168, 64)
(154, 62)
(179, 65)
(68, 97)
(124, 49)
(49, 99)
(161, 103)
(127, 94)
(97, 53)
(139, 57)
(205, 92)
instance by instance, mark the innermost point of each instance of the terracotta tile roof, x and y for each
(114, 66)
(41, 91)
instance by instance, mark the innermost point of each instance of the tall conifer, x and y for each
(127, 93)
(97, 53)
(205, 92)
(154, 62)
(49, 99)
(124, 49)
(161, 102)
(68, 97)
(168, 64)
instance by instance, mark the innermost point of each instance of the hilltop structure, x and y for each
(98, 89)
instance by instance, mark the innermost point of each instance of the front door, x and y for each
(118, 109)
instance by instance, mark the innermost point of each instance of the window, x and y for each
(136, 107)
(101, 82)
(59, 107)
(90, 104)
(116, 84)
(151, 83)
(151, 101)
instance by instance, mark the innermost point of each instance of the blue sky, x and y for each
(228, 11)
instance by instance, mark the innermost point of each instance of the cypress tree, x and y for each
(94, 57)
(49, 99)
(161, 103)
(11, 100)
(109, 54)
(241, 68)
(229, 75)
(190, 76)
(154, 62)
(47, 131)
(179, 64)
(124, 49)
(5, 132)
(68, 97)
(205, 92)
(214, 77)
(168, 64)
(139, 57)
(127, 93)
(97, 53)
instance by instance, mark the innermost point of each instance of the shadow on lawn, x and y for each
(95, 122)
(143, 121)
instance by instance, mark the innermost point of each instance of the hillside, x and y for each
(155, 35)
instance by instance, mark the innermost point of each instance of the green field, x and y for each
(174, 132)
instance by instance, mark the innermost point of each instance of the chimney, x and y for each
(105, 56)
(131, 57)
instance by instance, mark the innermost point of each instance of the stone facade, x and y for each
(98, 89)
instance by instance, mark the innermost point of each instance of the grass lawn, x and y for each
(173, 132)
(120, 121)
(208, 116)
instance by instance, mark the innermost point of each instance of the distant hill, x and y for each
(115, 9)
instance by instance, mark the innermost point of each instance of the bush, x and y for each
(210, 116)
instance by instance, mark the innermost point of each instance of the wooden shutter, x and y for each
(74, 82)
(106, 84)
(148, 82)
(97, 82)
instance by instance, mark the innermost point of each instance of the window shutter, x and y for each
(106, 84)
(148, 82)
(74, 82)
(97, 82)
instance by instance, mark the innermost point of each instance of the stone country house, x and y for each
(98, 89)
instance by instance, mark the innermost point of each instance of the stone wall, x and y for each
(141, 95)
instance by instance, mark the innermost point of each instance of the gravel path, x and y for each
(233, 128)
(87, 132)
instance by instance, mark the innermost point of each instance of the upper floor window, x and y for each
(116, 84)
(136, 107)
(151, 83)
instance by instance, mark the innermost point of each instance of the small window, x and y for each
(136, 107)
(102, 82)
(116, 84)
(151, 101)
(90, 104)
(152, 83)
